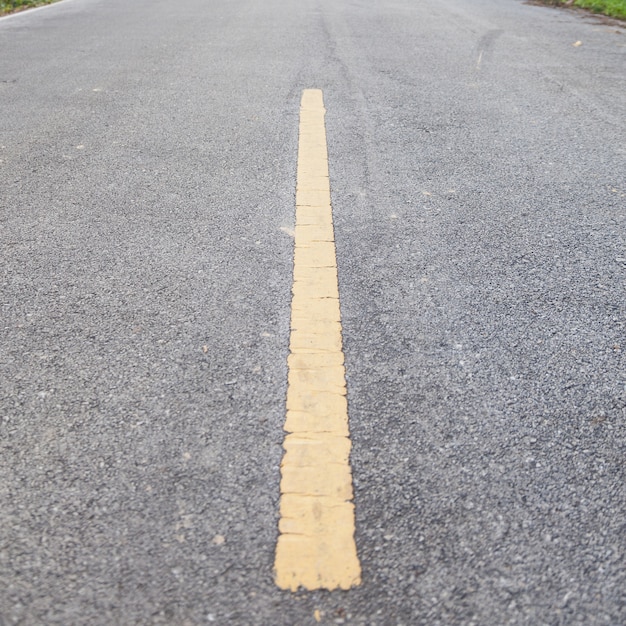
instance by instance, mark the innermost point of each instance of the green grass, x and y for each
(612, 8)
(9, 6)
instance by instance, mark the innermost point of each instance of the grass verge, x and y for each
(612, 8)
(11, 6)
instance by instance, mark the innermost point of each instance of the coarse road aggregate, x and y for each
(147, 203)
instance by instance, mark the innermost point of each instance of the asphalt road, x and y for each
(147, 184)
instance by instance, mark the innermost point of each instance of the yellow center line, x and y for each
(316, 547)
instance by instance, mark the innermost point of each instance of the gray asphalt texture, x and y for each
(147, 184)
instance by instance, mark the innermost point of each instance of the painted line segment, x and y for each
(316, 547)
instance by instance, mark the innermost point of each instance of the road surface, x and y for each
(148, 155)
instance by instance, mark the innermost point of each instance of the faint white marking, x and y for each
(480, 59)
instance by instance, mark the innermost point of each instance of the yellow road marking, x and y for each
(316, 547)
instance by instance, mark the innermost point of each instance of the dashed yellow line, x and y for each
(316, 547)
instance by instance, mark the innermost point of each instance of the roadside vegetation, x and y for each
(10, 6)
(612, 8)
